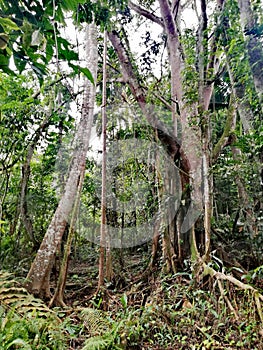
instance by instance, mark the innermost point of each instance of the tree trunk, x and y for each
(26, 220)
(191, 136)
(191, 146)
(103, 228)
(39, 274)
(58, 297)
(165, 136)
(246, 203)
(254, 45)
(239, 90)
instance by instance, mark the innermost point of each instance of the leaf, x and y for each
(124, 300)
(4, 60)
(19, 342)
(37, 38)
(67, 55)
(85, 71)
(71, 5)
(49, 51)
(64, 50)
(40, 70)
(96, 343)
(27, 33)
(8, 24)
(4, 38)
(20, 61)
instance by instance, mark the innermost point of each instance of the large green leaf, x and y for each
(8, 24)
(67, 55)
(85, 71)
(20, 61)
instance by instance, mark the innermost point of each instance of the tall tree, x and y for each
(39, 275)
(188, 111)
(196, 64)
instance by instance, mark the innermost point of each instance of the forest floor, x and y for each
(158, 311)
(140, 309)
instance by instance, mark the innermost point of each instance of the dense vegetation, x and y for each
(131, 149)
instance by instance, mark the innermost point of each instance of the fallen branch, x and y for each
(258, 297)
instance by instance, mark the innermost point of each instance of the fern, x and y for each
(97, 343)
(102, 330)
(95, 321)
(14, 296)
(25, 321)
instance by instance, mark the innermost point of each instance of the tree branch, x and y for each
(145, 13)
(165, 136)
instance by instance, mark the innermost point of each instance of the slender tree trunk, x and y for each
(26, 220)
(227, 135)
(58, 297)
(245, 201)
(169, 256)
(39, 275)
(157, 226)
(103, 229)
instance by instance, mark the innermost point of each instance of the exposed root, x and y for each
(227, 299)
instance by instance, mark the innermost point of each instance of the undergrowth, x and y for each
(181, 316)
(164, 312)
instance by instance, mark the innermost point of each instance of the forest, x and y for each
(131, 174)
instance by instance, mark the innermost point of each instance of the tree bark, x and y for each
(39, 274)
(103, 227)
(191, 136)
(175, 57)
(58, 297)
(254, 45)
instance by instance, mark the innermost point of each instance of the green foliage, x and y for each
(97, 343)
(70, 5)
(35, 36)
(177, 312)
(85, 71)
(95, 321)
(8, 25)
(231, 213)
(102, 329)
(102, 12)
(25, 321)
(255, 276)
(28, 118)
(179, 315)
